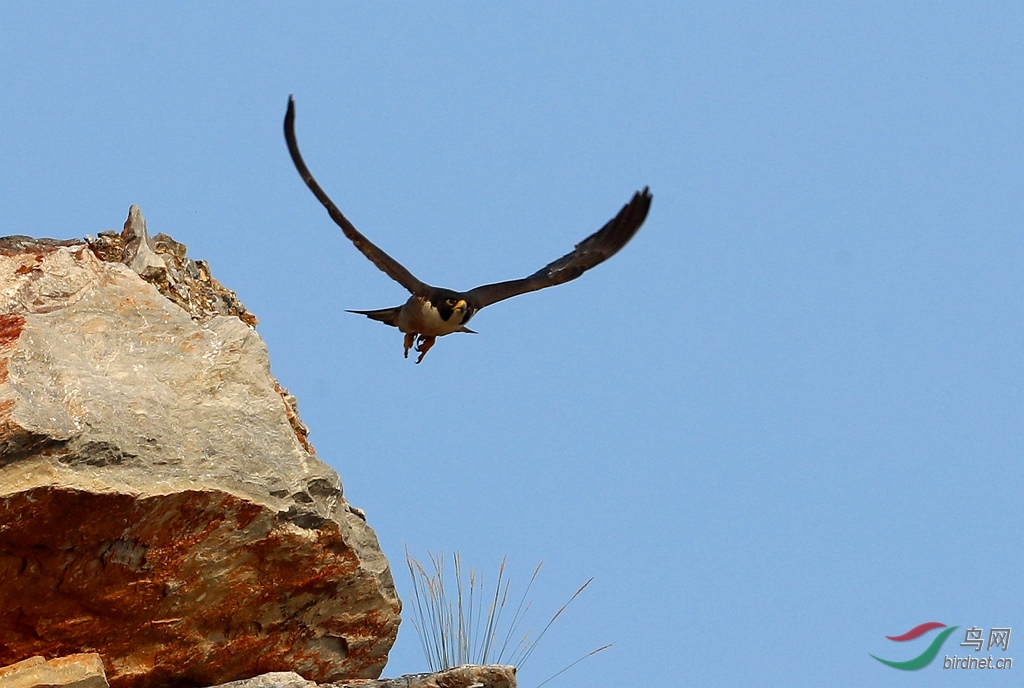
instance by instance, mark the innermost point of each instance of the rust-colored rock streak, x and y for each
(149, 585)
(159, 502)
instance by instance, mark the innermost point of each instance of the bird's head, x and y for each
(451, 304)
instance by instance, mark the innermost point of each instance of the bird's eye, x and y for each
(450, 302)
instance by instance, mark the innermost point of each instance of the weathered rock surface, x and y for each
(159, 502)
(490, 676)
(277, 679)
(469, 676)
(73, 671)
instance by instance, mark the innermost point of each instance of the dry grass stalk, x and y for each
(464, 625)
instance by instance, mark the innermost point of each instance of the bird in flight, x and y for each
(433, 312)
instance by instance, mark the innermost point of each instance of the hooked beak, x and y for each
(461, 305)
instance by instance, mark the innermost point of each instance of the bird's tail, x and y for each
(388, 316)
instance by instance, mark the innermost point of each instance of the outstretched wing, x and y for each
(595, 249)
(389, 265)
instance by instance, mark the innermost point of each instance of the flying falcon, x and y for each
(433, 312)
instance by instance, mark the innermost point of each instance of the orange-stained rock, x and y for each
(159, 502)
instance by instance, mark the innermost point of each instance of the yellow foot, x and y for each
(423, 346)
(409, 339)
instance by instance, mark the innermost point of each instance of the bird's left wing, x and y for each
(389, 265)
(595, 249)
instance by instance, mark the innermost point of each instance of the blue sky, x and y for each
(783, 423)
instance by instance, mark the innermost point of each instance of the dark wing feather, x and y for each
(389, 265)
(595, 249)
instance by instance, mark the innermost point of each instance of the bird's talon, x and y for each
(423, 346)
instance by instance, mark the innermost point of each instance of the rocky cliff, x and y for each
(159, 502)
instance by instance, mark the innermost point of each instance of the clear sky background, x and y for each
(783, 423)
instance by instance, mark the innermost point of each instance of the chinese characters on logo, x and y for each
(998, 637)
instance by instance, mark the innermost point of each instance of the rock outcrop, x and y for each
(159, 502)
(73, 671)
(467, 676)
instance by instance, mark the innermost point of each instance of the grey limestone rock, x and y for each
(159, 501)
(276, 679)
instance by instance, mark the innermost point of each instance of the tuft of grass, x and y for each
(467, 623)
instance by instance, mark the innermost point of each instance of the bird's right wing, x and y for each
(386, 263)
(595, 249)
